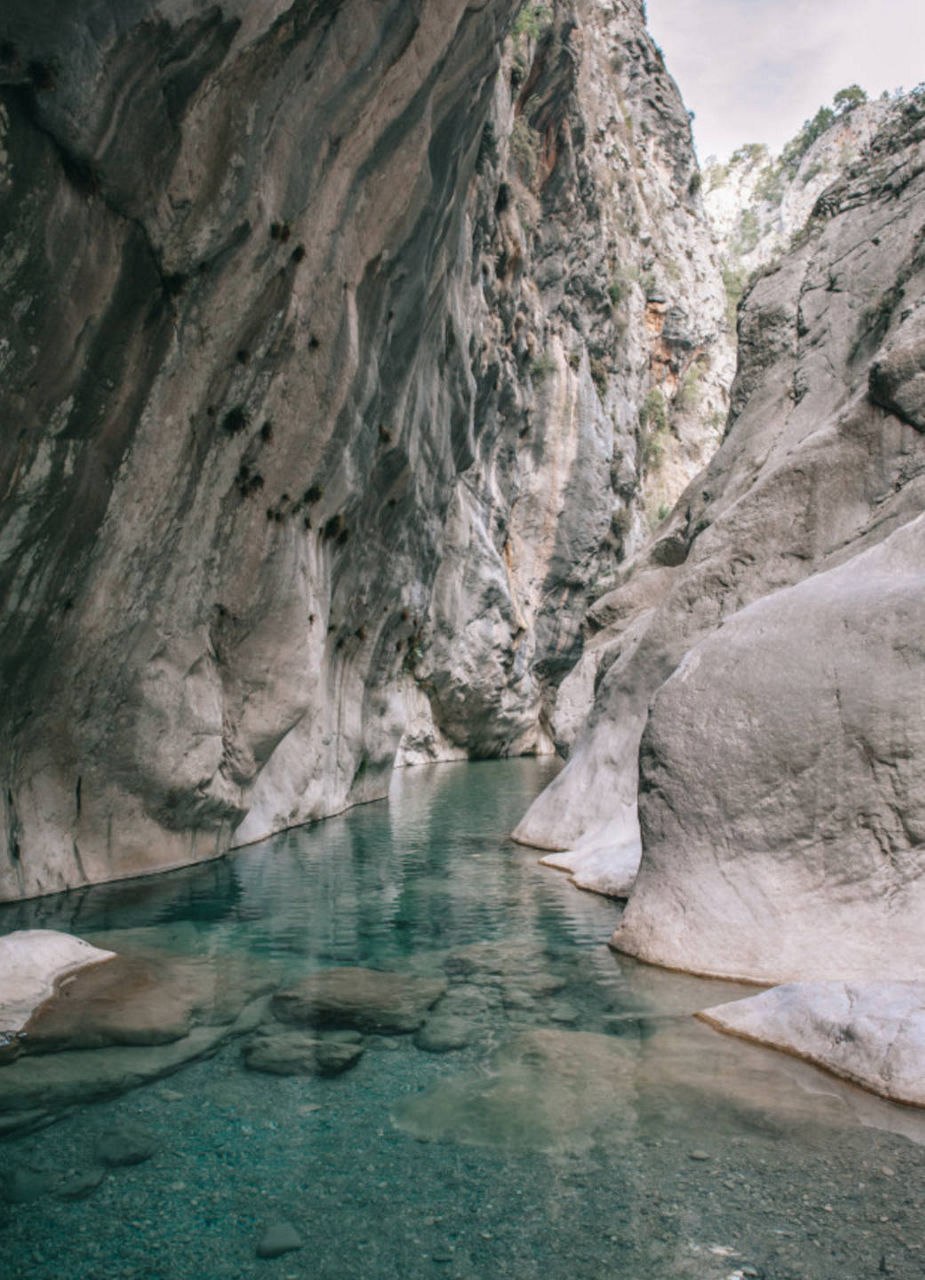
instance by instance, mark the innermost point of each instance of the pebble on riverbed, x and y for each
(127, 1145)
(279, 1238)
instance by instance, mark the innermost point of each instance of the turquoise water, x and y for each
(590, 1128)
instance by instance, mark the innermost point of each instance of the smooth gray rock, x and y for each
(364, 999)
(277, 1239)
(79, 1186)
(21, 1185)
(872, 1033)
(130, 1000)
(783, 809)
(464, 1000)
(292, 1053)
(36, 1088)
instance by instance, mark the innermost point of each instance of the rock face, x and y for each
(872, 1033)
(787, 796)
(348, 348)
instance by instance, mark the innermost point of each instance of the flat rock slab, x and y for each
(32, 1089)
(872, 1033)
(548, 1090)
(365, 999)
(32, 964)
(299, 1053)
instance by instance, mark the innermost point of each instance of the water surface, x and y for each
(592, 1128)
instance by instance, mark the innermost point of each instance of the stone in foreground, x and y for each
(32, 964)
(298, 1053)
(871, 1033)
(364, 999)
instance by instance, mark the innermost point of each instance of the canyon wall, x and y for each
(347, 349)
(761, 667)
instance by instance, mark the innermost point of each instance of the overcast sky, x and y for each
(754, 70)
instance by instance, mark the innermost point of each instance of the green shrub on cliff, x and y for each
(531, 20)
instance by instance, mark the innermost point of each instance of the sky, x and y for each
(754, 70)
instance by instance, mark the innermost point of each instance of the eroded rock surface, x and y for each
(871, 1033)
(817, 483)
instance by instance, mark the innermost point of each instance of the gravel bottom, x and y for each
(235, 1153)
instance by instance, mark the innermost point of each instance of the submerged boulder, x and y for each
(365, 999)
(871, 1033)
(282, 1052)
(131, 1000)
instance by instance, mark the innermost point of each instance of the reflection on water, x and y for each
(588, 1127)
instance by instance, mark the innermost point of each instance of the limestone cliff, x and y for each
(346, 347)
(758, 202)
(765, 648)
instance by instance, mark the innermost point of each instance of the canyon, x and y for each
(368, 381)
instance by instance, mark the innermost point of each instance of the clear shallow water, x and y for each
(592, 1128)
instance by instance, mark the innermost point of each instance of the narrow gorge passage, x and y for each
(421, 477)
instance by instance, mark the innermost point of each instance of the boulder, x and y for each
(131, 1000)
(549, 1090)
(365, 999)
(296, 1053)
(872, 1033)
(445, 1032)
(783, 793)
(127, 1144)
(33, 1089)
(33, 963)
